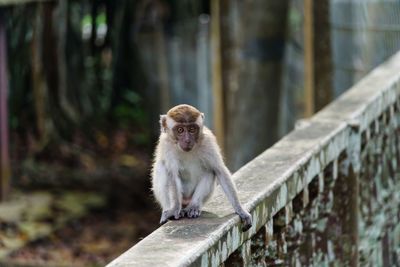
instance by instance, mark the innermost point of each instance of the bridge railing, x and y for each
(327, 193)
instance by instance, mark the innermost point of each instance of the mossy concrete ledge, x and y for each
(274, 182)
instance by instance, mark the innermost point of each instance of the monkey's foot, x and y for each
(191, 211)
(246, 220)
(168, 214)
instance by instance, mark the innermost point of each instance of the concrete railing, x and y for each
(327, 193)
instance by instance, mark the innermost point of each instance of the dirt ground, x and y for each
(108, 163)
(93, 240)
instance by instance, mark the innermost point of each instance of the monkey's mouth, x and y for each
(186, 148)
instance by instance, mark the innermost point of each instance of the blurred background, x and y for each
(82, 85)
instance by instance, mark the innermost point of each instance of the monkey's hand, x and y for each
(191, 211)
(167, 214)
(246, 220)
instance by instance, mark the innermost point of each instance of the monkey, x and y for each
(187, 164)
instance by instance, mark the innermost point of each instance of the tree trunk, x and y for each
(39, 86)
(5, 171)
(253, 45)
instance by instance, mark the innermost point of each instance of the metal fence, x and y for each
(369, 30)
(326, 194)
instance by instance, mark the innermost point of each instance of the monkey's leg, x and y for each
(175, 199)
(201, 193)
(160, 184)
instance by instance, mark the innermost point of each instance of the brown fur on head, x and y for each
(180, 114)
(184, 113)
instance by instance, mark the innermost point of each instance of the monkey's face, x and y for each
(184, 125)
(186, 135)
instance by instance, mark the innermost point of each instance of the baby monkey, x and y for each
(187, 163)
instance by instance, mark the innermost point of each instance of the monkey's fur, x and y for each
(187, 163)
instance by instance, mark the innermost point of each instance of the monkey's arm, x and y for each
(217, 165)
(225, 180)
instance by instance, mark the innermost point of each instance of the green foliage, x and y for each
(130, 112)
(90, 70)
(101, 19)
(86, 20)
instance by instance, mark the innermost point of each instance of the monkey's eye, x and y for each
(192, 129)
(180, 130)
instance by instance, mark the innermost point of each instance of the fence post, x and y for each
(309, 57)
(4, 159)
(317, 56)
(216, 68)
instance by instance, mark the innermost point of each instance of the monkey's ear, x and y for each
(202, 115)
(163, 123)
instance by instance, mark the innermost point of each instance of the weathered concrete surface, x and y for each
(269, 183)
